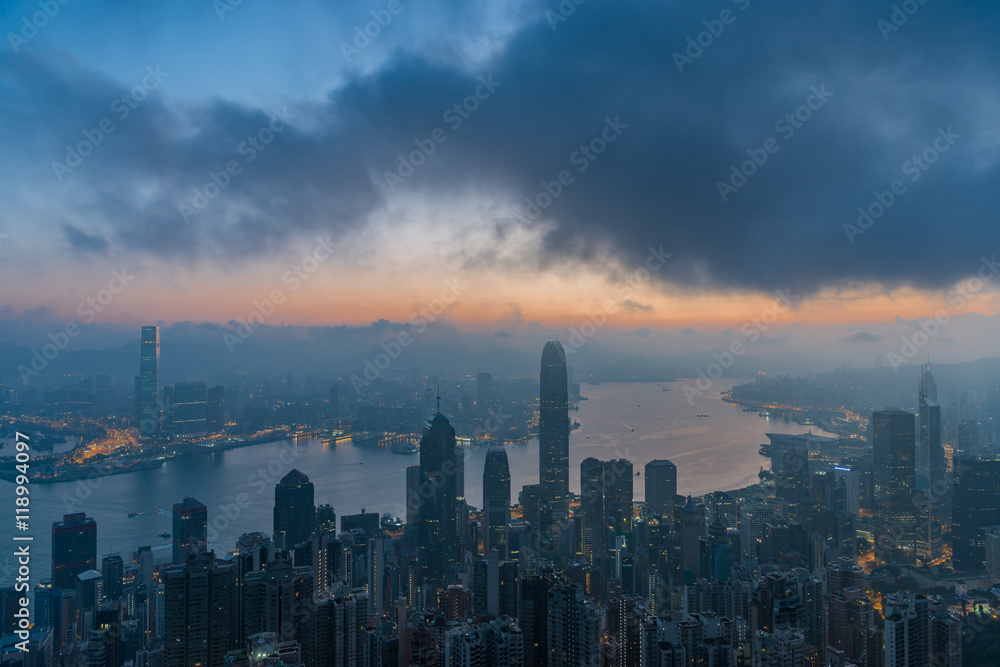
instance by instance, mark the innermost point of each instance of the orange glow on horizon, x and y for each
(334, 296)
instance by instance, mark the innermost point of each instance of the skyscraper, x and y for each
(484, 390)
(931, 468)
(190, 529)
(715, 553)
(907, 627)
(754, 515)
(277, 600)
(605, 503)
(412, 494)
(618, 495)
(851, 478)
(895, 485)
(533, 613)
(791, 474)
(379, 548)
(968, 438)
(661, 486)
(326, 520)
(74, 548)
(8, 603)
(149, 370)
(190, 409)
(784, 646)
(720, 506)
(439, 471)
(112, 571)
(496, 500)
(199, 612)
(945, 648)
(553, 429)
(976, 506)
(574, 625)
(294, 510)
(692, 529)
(215, 416)
(851, 612)
(992, 550)
(334, 629)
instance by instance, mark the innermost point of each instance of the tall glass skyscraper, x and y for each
(294, 510)
(149, 370)
(976, 507)
(931, 469)
(553, 429)
(605, 503)
(895, 486)
(74, 548)
(496, 500)
(190, 529)
(438, 505)
(661, 487)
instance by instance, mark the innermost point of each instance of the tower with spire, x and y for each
(931, 470)
(439, 490)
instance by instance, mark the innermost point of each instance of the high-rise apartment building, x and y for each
(574, 627)
(199, 612)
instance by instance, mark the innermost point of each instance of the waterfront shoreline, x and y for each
(141, 463)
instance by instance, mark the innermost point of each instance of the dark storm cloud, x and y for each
(559, 89)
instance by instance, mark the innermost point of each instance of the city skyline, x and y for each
(463, 567)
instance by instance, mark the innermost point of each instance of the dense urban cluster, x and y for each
(878, 551)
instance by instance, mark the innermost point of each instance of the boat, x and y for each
(638, 474)
(164, 535)
(575, 425)
(702, 415)
(406, 448)
(133, 515)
